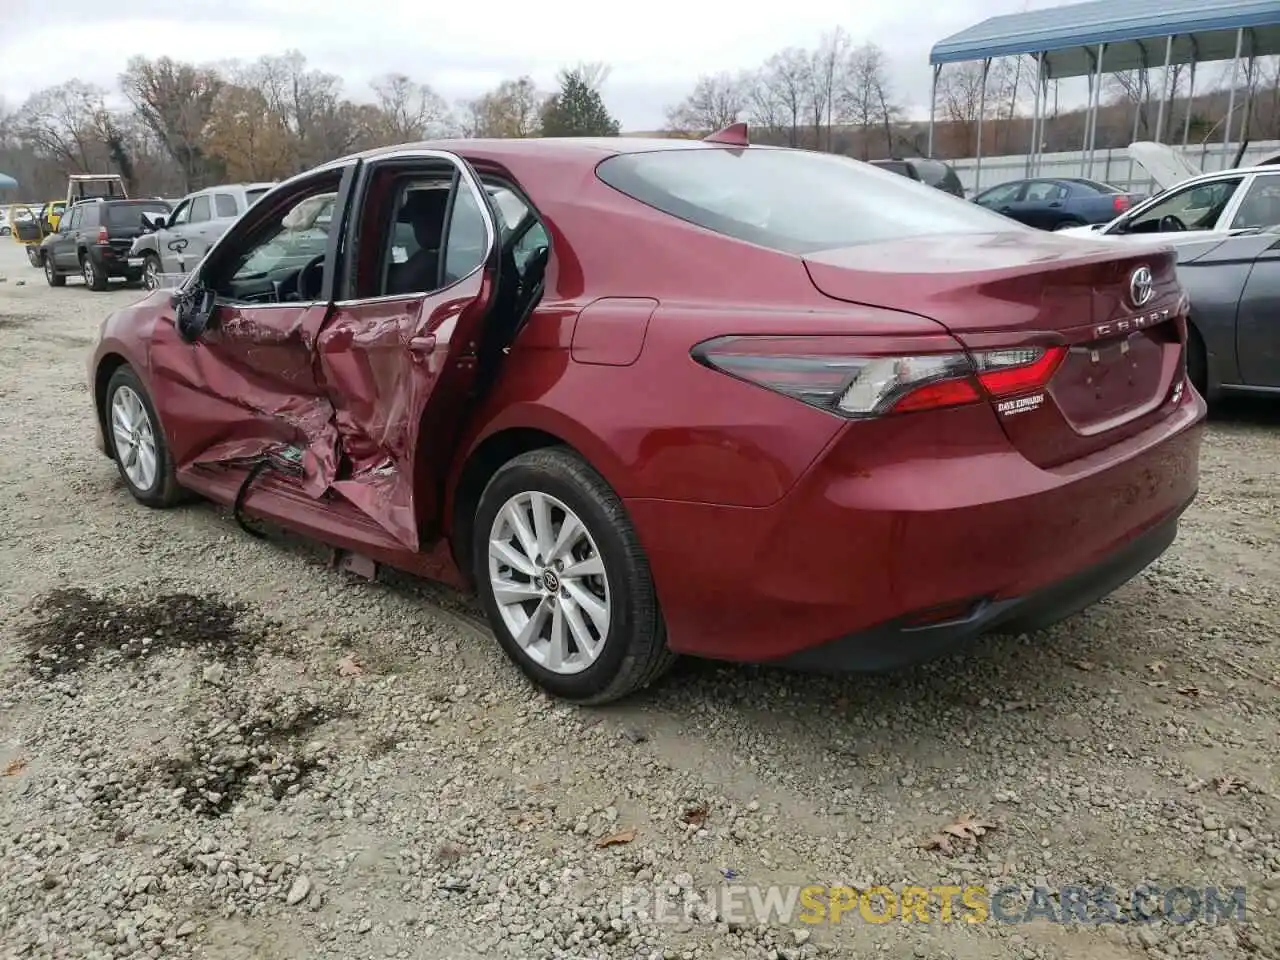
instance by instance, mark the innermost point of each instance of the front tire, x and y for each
(137, 441)
(564, 581)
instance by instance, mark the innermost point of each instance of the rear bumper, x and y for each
(900, 644)
(902, 541)
(112, 262)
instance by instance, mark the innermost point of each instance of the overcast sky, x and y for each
(657, 49)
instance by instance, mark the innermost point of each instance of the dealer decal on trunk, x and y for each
(1007, 408)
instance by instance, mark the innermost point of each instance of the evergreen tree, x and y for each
(577, 110)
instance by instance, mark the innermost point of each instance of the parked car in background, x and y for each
(179, 240)
(1233, 282)
(5, 229)
(1055, 203)
(93, 241)
(933, 172)
(1222, 202)
(887, 422)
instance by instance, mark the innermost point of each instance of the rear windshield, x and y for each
(253, 196)
(1096, 186)
(129, 213)
(795, 201)
(897, 166)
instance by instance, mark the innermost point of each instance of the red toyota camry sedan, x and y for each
(654, 397)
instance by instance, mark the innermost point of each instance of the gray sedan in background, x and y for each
(1233, 281)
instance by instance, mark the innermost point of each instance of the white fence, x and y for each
(1109, 166)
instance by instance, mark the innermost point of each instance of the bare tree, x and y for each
(866, 100)
(960, 94)
(512, 109)
(826, 81)
(66, 124)
(717, 101)
(779, 94)
(175, 100)
(410, 110)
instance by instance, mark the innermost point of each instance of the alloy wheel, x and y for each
(48, 269)
(88, 272)
(135, 438)
(549, 582)
(151, 274)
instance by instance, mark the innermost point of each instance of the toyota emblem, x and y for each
(1141, 287)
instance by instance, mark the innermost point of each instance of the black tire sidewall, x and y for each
(625, 581)
(125, 377)
(49, 273)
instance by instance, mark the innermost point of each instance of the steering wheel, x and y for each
(310, 278)
(1171, 224)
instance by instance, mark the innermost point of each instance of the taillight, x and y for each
(1120, 203)
(102, 235)
(864, 382)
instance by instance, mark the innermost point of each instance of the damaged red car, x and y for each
(653, 397)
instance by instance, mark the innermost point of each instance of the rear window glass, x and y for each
(224, 204)
(253, 196)
(794, 201)
(896, 166)
(130, 214)
(1096, 186)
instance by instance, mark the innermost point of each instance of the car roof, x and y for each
(586, 149)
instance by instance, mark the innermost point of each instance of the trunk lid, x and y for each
(1029, 288)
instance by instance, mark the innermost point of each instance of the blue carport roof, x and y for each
(1134, 32)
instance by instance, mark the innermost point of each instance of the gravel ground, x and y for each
(212, 746)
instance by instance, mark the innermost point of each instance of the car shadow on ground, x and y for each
(1246, 411)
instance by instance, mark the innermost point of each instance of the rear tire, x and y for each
(51, 275)
(94, 278)
(631, 652)
(34, 257)
(143, 460)
(151, 271)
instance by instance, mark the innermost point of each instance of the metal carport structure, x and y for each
(1112, 36)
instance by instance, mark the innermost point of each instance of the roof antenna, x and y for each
(734, 135)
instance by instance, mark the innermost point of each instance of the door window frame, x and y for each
(269, 208)
(352, 228)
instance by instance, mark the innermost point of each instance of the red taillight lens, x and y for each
(1005, 372)
(1121, 203)
(864, 382)
(102, 235)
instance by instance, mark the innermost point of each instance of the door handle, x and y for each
(423, 344)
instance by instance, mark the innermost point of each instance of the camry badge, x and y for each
(1141, 287)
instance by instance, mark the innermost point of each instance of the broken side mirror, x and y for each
(193, 310)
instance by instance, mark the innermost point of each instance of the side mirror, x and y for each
(193, 310)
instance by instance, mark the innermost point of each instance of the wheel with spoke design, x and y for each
(564, 581)
(137, 442)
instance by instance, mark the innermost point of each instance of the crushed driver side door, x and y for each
(239, 382)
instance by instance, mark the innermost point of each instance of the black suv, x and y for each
(93, 240)
(933, 172)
